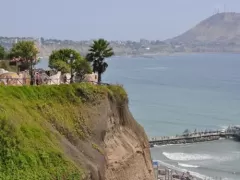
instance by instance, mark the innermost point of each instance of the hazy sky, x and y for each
(110, 19)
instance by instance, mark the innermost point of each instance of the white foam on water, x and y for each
(187, 157)
(188, 165)
(232, 156)
(200, 157)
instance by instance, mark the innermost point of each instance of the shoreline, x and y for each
(149, 55)
(163, 171)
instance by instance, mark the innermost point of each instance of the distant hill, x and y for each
(219, 28)
(218, 33)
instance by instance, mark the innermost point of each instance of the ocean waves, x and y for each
(205, 163)
(187, 156)
(188, 165)
(178, 156)
(198, 175)
(181, 167)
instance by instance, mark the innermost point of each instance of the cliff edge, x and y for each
(78, 131)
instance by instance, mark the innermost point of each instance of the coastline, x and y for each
(150, 55)
(164, 171)
(176, 54)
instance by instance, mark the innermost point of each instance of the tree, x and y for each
(97, 53)
(26, 50)
(2, 52)
(59, 60)
(82, 67)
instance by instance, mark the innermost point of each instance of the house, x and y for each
(93, 78)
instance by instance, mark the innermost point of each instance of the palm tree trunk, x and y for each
(99, 77)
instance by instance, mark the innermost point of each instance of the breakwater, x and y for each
(187, 137)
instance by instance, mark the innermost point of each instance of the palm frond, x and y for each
(98, 51)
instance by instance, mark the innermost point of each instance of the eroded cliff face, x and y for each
(79, 131)
(124, 144)
(123, 152)
(126, 147)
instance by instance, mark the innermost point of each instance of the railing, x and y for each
(196, 137)
(166, 138)
(10, 81)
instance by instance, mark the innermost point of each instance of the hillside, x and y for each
(218, 33)
(219, 28)
(77, 132)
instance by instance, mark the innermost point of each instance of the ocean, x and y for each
(169, 94)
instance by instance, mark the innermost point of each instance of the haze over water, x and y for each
(169, 94)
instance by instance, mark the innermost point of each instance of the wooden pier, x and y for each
(233, 132)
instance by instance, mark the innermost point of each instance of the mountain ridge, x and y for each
(220, 27)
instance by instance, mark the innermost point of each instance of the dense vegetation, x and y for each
(59, 60)
(24, 49)
(34, 118)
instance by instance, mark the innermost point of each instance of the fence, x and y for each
(10, 81)
(26, 81)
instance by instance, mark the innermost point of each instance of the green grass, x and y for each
(29, 148)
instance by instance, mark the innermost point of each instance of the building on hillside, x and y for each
(41, 77)
(93, 78)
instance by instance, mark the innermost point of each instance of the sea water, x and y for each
(169, 94)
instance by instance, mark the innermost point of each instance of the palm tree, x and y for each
(97, 54)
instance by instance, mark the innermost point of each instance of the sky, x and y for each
(109, 19)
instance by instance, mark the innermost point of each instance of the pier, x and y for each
(188, 137)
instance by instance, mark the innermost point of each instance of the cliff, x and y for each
(78, 131)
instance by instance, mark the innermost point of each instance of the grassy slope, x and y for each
(32, 119)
